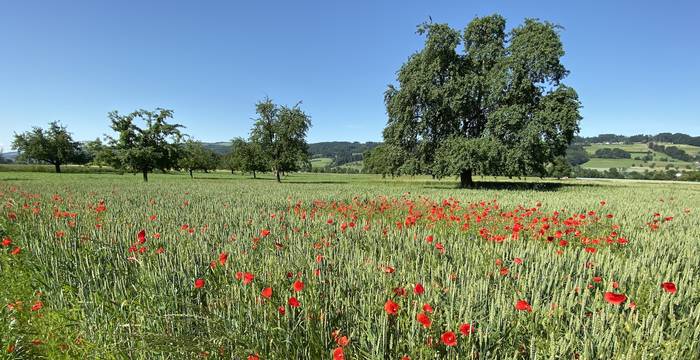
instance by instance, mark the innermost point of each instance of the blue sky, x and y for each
(635, 64)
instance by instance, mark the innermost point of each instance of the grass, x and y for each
(104, 294)
(321, 162)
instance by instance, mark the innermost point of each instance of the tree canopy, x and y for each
(496, 107)
(195, 156)
(54, 146)
(245, 156)
(280, 131)
(157, 145)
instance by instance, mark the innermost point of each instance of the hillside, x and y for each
(641, 157)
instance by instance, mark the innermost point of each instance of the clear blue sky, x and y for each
(635, 64)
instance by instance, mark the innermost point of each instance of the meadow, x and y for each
(346, 267)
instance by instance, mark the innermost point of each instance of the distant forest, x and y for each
(677, 138)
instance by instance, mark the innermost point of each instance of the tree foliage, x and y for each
(245, 156)
(499, 107)
(54, 146)
(157, 145)
(195, 156)
(384, 159)
(614, 153)
(280, 131)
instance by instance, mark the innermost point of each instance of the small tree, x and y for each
(281, 134)
(197, 157)
(560, 168)
(155, 146)
(246, 156)
(54, 146)
(384, 159)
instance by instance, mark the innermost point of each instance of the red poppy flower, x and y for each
(419, 289)
(160, 250)
(253, 357)
(266, 292)
(16, 250)
(429, 239)
(141, 236)
(427, 308)
(264, 233)
(298, 285)
(37, 306)
(669, 287)
(281, 310)
(424, 320)
(504, 271)
(199, 283)
(293, 302)
(6, 241)
(518, 261)
(391, 307)
(248, 278)
(522, 305)
(615, 299)
(597, 279)
(223, 257)
(343, 341)
(449, 338)
(466, 329)
(338, 354)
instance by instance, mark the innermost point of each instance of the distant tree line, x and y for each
(674, 152)
(145, 141)
(612, 153)
(675, 138)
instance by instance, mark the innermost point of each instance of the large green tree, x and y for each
(54, 146)
(157, 145)
(280, 131)
(195, 156)
(495, 106)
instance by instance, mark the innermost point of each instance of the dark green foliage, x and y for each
(384, 159)
(560, 168)
(677, 138)
(280, 131)
(197, 157)
(614, 153)
(155, 146)
(498, 108)
(245, 156)
(54, 146)
(673, 151)
(576, 155)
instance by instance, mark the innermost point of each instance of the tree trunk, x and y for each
(58, 167)
(145, 175)
(254, 175)
(191, 176)
(278, 176)
(231, 171)
(465, 179)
